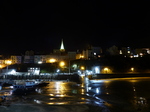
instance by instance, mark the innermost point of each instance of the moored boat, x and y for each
(24, 87)
(26, 84)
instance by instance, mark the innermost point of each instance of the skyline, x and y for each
(40, 25)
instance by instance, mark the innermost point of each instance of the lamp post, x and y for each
(62, 65)
(82, 69)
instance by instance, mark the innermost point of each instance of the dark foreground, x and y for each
(57, 96)
(127, 94)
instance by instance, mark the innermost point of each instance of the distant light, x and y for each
(40, 62)
(62, 64)
(120, 52)
(132, 69)
(52, 60)
(97, 90)
(97, 70)
(141, 54)
(89, 88)
(81, 56)
(12, 72)
(136, 55)
(58, 70)
(105, 69)
(8, 62)
(131, 56)
(82, 68)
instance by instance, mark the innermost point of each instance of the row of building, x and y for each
(61, 55)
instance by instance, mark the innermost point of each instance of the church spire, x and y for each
(62, 49)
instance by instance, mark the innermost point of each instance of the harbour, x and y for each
(103, 95)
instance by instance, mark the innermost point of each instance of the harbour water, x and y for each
(98, 95)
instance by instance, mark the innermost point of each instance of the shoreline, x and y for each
(120, 75)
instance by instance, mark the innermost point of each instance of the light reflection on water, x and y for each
(126, 94)
(62, 93)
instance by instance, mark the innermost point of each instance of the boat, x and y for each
(24, 87)
(25, 84)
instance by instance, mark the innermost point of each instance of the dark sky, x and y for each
(41, 24)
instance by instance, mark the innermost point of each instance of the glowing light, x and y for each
(82, 91)
(37, 101)
(8, 62)
(106, 70)
(62, 64)
(120, 52)
(97, 90)
(58, 70)
(82, 68)
(52, 60)
(51, 103)
(97, 70)
(131, 56)
(13, 72)
(107, 93)
(81, 56)
(40, 62)
(132, 69)
(51, 94)
(97, 81)
(75, 66)
(141, 54)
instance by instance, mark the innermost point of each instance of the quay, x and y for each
(69, 77)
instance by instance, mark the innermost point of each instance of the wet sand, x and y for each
(21, 107)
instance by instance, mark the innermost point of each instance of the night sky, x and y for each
(41, 24)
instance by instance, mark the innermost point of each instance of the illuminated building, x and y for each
(91, 53)
(16, 59)
(62, 49)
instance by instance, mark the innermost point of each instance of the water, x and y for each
(124, 94)
(102, 95)
(57, 96)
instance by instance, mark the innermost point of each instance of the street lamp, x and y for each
(132, 69)
(82, 69)
(62, 64)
